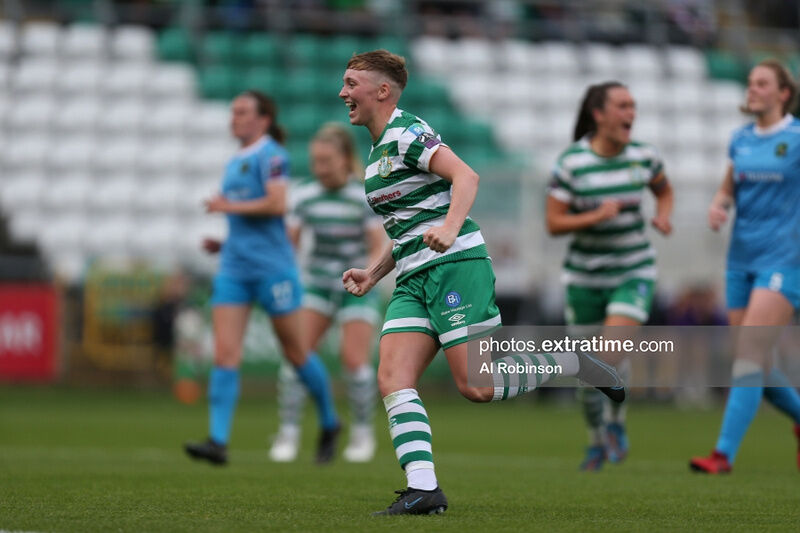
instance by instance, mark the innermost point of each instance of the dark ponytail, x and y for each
(265, 106)
(595, 98)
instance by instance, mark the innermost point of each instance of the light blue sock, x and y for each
(782, 394)
(315, 378)
(223, 392)
(743, 402)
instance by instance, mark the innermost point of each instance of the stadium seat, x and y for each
(207, 158)
(432, 54)
(474, 54)
(81, 78)
(175, 44)
(133, 43)
(210, 119)
(125, 116)
(34, 113)
(473, 91)
(77, 115)
(685, 62)
(161, 194)
(168, 117)
(73, 153)
(640, 61)
(261, 49)
(558, 57)
(66, 231)
(26, 151)
(334, 52)
(219, 82)
(725, 97)
(602, 60)
(515, 130)
(686, 96)
(515, 56)
(115, 193)
(41, 39)
(21, 191)
(221, 48)
(84, 41)
(649, 128)
(154, 236)
(163, 157)
(24, 226)
(118, 153)
(126, 79)
(8, 40)
(303, 50)
(35, 75)
(67, 192)
(171, 81)
(110, 234)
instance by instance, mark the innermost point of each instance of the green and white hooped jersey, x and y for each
(339, 220)
(401, 188)
(614, 251)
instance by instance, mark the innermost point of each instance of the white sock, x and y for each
(422, 478)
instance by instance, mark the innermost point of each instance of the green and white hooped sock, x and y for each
(362, 390)
(508, 385)
(410, 430)
(291, 396)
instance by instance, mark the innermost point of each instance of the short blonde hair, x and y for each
(383, 61)
(340, 137)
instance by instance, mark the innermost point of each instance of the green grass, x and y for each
(87, 461)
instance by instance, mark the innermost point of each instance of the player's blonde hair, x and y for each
(391, 65)
(340, 137)
(785, 81)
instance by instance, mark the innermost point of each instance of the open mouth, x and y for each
(351, 106)
(627, 126)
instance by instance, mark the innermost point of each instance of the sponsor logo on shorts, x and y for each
(457, 319)
(452, 299)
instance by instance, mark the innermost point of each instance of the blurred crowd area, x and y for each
(132, 286)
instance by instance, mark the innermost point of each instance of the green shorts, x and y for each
(444, 300)
(589, 305)
(342, 305)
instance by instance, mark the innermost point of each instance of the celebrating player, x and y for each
(256, 265)
(445, 281)
(763, 276)
(344, 229)
(596, 193)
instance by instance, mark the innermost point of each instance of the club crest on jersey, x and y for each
(384, 165)
(245, 167)
(781, 149)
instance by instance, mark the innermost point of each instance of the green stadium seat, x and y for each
(262, 79)
(421, 93)
(261, 49)
(219, 82)
(725, 66)
(175, 44)
(222, 48)
(303, 50)
(336, 51)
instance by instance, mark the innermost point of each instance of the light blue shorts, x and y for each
(278, 294)
(739, 284)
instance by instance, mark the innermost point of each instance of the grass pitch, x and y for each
(103, 460)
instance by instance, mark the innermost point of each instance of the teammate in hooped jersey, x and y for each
(763, 274)
(595, 193)
(445, 282)
(256, 265)
(345, 232)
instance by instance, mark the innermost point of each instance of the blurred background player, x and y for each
(763, 275)
(256, 265)
(445, 281)
(596, 193)
(345, 231)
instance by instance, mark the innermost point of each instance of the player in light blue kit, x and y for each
(763, 277)
(256, 265)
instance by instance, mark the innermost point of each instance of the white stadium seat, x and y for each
(8, 39)
(80, 78)
(79, 115)
(725, 97)
(686, 62)
(110, 234)
(558, 57)
(25, 225)
(66, 231)
(208, 158)
(162, 158)
(210, 119)
(126, 79)
(31, 114)
(432, 54)
(68, 192)
(515, 130)
(475, 53)
(515, 56)
(640, 62)
(115, 193)
(26, 152)
(171, 81)
(169, 117)
(21, 191)
(41, 38)
(602, 60)
(134, 43)
(84, 41)
(160, 195)
(72, 154)
(123, 116)
(35, 75)
(155, 236)
(119, 154)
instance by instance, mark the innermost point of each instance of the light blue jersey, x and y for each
(257, 246)
(766, 177)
